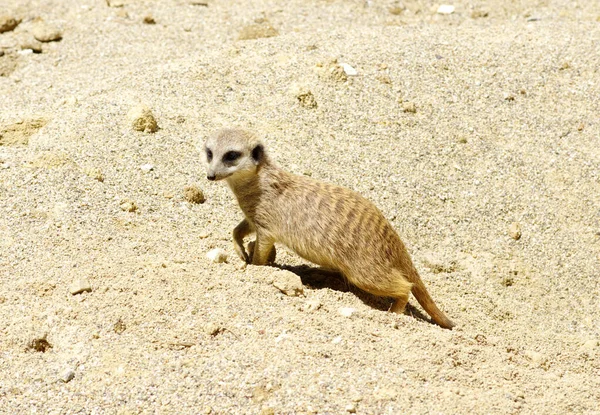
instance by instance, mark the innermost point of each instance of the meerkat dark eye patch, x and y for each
(231, 156)
(257, 153)
(209, 155)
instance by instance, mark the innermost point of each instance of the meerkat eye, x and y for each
(231, 156)
(209, 155)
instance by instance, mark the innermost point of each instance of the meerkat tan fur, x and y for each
(328, 225)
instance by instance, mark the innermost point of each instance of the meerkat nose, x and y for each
(211, 177)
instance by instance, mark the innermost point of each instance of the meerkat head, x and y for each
(232, 152)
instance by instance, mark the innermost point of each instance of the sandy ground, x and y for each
(461, 128)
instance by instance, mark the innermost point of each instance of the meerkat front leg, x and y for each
(263, 250)
(239, 233)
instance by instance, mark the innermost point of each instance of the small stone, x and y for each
(508, 97)
(32, 45)
(94, 173)
(212, 329)
(8, 23)
(128, 206)
(304, 96)
(477, 14)
(115, 3)
(80, 286)
(347, 311)
(445, 9)
(396, 10)
(267, 410)
(307, 100)
(47, 33)
(515, 231)
(311, 305)
(535, 357)
(193, 194)
(332, 70)
(351, 408)
(257, 31)
(409, 107)
(217, 255)
(67, 376)
(508, 281)
(149, 20)
(349, 70)
(119, 327)
(141, 119)
(146, 168)
(288, 283)
(337, 340)
(384, 79)
(39, 344)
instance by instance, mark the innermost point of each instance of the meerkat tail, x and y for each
(423, 297)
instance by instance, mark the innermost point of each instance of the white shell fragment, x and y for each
(348, 70)
(217, 255)
(445, 9)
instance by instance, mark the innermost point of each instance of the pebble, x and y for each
(257, 31)
(217, 255)
(348, 70)
(193, 194)
(8, 23)
(149, 20)
(311, 305)
(288, 283)
(47, 33)
(347, 311)
(39, 344)
(147, 168)
(304, 95)
(535, 357)
(141, 119)
(396, 10)
(128, 206)
(119, 327)
(409, 107)
(33, 45)
(79, 286)
(515, 231)
(351, 408)
(212, 329)
(267, 410)
(67, 376)
(94, 173)
(445, 9)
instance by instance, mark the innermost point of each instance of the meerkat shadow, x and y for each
(319, 278)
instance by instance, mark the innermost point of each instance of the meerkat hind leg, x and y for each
(399, 305)
(242, 230)
(401, 292)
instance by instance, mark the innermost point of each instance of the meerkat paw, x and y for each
(239, 250)
(272, 254)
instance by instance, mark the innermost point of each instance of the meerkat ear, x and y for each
(258, 153)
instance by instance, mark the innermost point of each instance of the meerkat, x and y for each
(328, 225)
